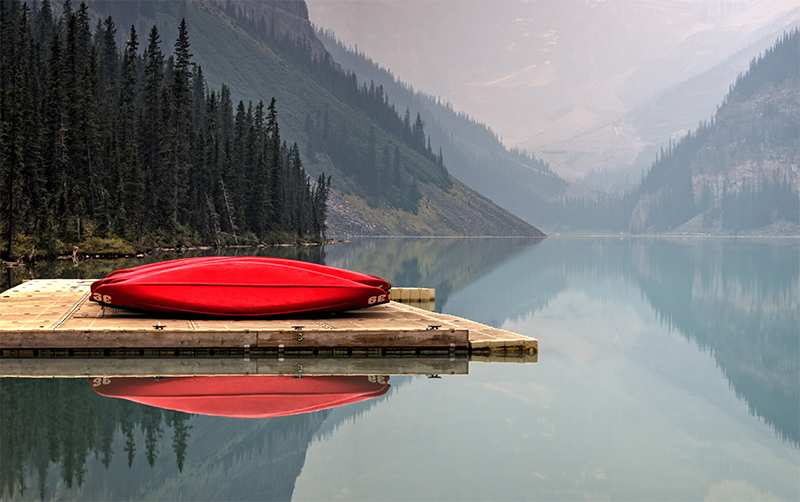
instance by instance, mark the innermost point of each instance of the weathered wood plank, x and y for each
(364, 366)
(151, 367)
(133, 338)
(455, 338)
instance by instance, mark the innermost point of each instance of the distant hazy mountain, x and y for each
(738, 173)
(513, 179)
(585, 85)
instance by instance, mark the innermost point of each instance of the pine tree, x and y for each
(418, 134)
(274, 167)
(44, 27)
(149, 132)
(109, 59)
(177, 135)
(237, 177)
(12, 130)
(131, 191)
(54, 150)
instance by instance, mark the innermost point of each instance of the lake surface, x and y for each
(669, 369)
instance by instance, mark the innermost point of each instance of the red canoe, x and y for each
(369, 280)
(245, 286)
(256, 396)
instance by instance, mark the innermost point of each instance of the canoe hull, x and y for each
(241, 287)
(369, 280)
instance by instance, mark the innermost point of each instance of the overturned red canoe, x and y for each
(237, 287)
(256, 396)
(369, 280)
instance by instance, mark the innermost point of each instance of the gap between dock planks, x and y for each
(56, 314)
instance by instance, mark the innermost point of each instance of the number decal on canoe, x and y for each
(376, 299)
(101, 298)
(97, 382)
(377, 379)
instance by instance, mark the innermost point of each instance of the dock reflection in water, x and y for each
(253, 396)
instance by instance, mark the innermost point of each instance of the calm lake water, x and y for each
(669, 369)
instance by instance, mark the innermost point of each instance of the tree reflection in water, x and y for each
(63, 422)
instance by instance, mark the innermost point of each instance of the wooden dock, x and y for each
(53, 319)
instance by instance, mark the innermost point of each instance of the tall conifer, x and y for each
(150, 126)
(12, 130)
(274, 167)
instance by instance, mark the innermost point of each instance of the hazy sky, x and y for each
(546, 73)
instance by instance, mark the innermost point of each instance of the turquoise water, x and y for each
(669, 369)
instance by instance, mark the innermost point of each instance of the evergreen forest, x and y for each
(45, 424)
(119, 146)
(379, 169)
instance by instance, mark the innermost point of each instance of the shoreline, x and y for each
(78, 256)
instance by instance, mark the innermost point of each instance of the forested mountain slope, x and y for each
(383, 167)
(205, 132)
(102, 145)
(514, 179)
(741, 172)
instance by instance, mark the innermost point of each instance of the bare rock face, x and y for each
(755, 139)
(739, 173)
(345, 221)
(458, 212)
(284, 16)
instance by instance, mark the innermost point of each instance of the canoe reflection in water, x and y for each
(254, 396)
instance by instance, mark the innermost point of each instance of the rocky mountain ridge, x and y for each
(285, 17)
(741, 172)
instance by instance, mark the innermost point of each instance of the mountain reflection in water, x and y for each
(739, 299)
(742, 303)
